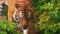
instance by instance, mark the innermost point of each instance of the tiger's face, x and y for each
(23, 17)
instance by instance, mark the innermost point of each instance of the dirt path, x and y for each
(2, 17)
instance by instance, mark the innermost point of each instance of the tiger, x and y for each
(22, 12)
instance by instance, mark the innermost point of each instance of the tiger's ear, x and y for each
(17, 6)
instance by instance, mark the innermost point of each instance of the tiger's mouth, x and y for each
(22, 27)
(23, 30)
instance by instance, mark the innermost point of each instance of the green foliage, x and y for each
(50, 18)
(8, 28)
(5, 9)
(1, 32)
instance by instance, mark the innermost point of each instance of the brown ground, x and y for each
(2, 17)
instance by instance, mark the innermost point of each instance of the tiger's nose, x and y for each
(25, 26)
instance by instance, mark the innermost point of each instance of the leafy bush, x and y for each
(49, 15)
(8, 28)
(5, 10)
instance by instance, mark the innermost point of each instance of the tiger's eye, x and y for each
(21, 12)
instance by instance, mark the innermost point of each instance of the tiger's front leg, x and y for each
(10, 16)
(10, 13)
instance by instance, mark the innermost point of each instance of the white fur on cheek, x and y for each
(14, 14)
(21, 14)
(25, 31)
